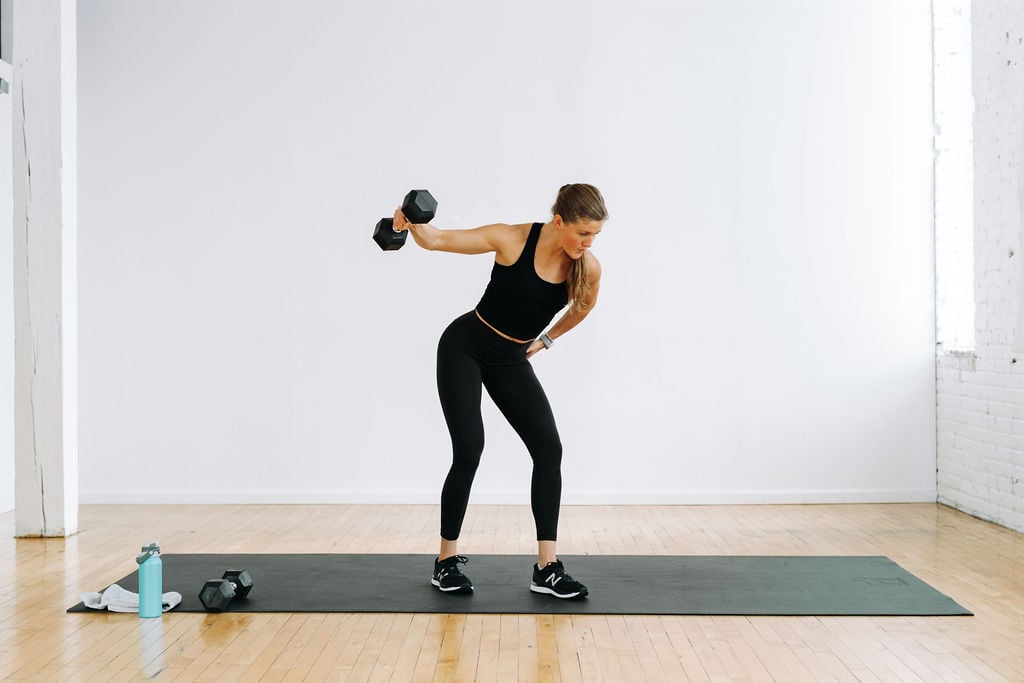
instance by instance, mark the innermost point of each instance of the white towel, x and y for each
(117, 599)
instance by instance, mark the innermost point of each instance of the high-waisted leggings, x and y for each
(471, 355)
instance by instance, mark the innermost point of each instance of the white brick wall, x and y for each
(980, 398)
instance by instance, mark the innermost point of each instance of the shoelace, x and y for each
(559, 571)
(451, 565)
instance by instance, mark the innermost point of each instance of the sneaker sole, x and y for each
(453, 589)
(565, 596)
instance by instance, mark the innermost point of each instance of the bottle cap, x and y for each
(148, 551)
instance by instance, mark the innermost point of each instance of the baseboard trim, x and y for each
(507, 498)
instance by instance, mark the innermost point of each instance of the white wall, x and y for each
(981, 393)
(766, 327)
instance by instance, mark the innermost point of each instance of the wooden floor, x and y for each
(979, 565)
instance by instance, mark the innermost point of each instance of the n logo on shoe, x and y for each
(553, 580)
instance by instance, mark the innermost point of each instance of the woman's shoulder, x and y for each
(511, 239)
(511, 230)
(522, 229)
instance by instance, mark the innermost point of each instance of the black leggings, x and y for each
(471, 355)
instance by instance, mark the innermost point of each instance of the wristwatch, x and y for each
(546, 341)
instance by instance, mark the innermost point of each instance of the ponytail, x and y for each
(577, 202)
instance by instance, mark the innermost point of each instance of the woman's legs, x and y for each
(517, 392)
(458, 386)
(448, 549)
(546, 553)
(520, 397)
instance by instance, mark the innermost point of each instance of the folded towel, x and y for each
(117, 599)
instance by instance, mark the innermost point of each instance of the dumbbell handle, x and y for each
(393, 228)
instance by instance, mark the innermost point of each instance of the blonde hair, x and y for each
(575, 202)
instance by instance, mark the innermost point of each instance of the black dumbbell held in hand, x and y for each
(217, 594)
(419, 207)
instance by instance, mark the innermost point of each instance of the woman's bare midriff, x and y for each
(499, 332)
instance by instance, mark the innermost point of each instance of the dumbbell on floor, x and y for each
(419, 207)
(217, 594)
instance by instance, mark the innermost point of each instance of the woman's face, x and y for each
(579, 236)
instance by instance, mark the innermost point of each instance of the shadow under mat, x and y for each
(619, 584)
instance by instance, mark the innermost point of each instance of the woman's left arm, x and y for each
(572, 317)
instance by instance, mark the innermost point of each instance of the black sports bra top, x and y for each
(517, 301)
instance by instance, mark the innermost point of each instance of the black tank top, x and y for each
(517, 301)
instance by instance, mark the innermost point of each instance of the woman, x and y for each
(538, 269)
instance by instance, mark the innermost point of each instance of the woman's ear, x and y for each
(557, 222)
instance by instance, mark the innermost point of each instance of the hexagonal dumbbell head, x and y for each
(386, 237)
(240, 580)
(216, 595)
(419, 206)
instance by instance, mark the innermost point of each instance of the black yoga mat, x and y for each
(619, 584)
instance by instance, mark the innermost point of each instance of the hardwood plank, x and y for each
(974, 562)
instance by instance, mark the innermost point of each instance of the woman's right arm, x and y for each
(475, 241)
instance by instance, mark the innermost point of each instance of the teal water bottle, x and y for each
(151, 582)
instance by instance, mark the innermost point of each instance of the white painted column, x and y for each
(45, 267)
(6, 283)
